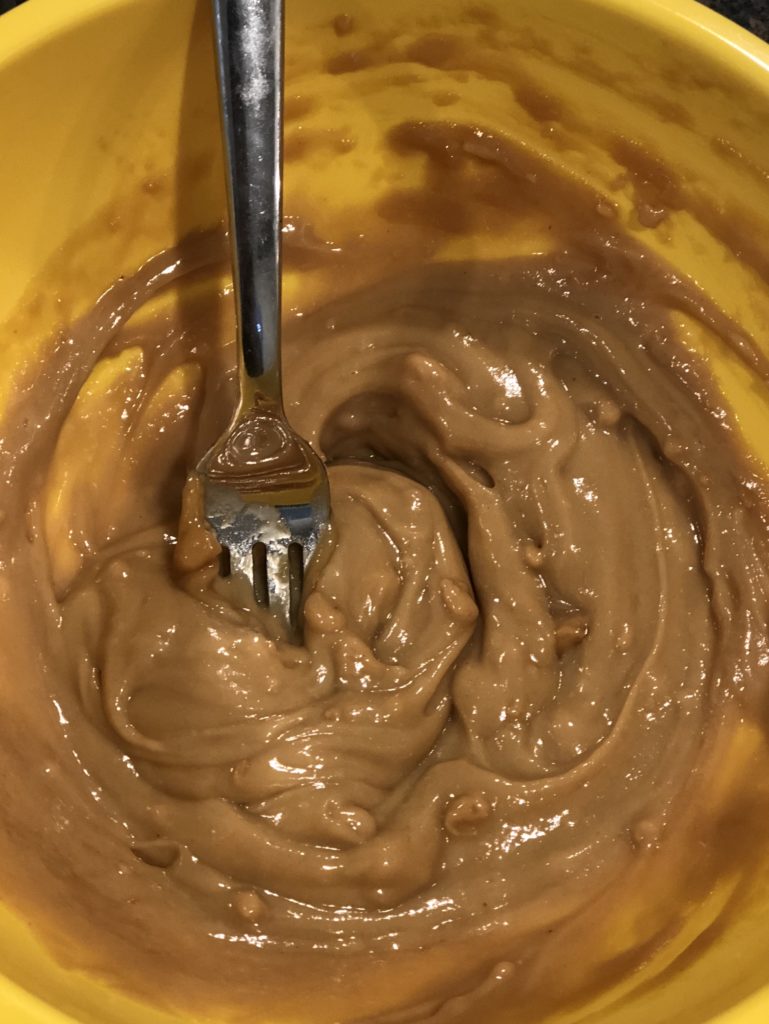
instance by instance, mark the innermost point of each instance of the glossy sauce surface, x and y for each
(537, 627)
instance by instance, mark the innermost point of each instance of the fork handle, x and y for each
(249, 46)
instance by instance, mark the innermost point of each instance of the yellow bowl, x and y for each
(110, 153)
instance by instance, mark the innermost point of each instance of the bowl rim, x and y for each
(32, 23)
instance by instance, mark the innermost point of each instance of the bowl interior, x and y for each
(661, 103)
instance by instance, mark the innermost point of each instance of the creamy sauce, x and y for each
(539, 622)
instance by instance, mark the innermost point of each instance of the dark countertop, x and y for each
(752, 14)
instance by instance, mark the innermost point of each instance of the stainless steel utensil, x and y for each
(266, 491)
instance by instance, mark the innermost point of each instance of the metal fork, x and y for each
(266, 491)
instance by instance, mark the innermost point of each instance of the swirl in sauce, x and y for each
(540, 621)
